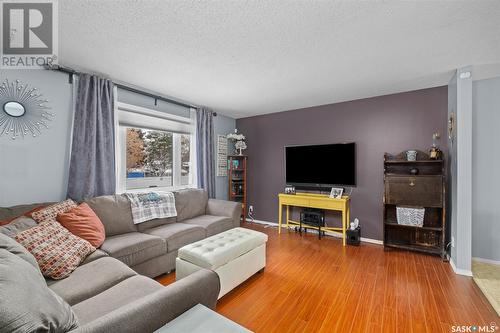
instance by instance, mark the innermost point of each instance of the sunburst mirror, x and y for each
(24, 112)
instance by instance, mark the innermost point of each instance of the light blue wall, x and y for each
(222, 125)
(129, 97)
(36, 169)
(463, 240)
(485, 169)
(452, 167)
(460, 102)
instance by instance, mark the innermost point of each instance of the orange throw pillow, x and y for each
(81, 221)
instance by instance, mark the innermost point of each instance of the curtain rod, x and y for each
(126, 86)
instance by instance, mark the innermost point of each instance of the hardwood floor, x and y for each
(312, 285)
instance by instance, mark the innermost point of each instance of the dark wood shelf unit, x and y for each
(419, 248)
(426, 190)
(395, 224)
(238, 181)
(413, 162)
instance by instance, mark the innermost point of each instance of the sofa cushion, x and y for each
(190, 203)
(91, 279)
(134, 247)
(115, 297)
(51, 212)
(10, 213)
(178, 234)
(84, 223)
(97, 254)
(155, 223)
(57, 251)
(212, 224)
(17, 225)
(114, 212)
(26, 304)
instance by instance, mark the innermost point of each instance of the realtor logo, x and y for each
(29, 34)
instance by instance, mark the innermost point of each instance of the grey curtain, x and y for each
(205, 150)
(92, 164)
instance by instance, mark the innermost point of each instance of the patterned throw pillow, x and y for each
(57, 251)
(50, 212)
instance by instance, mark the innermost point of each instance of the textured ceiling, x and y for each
(244, 58)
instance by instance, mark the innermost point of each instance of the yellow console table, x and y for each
(312, 200)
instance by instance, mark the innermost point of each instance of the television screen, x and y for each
(321, 165)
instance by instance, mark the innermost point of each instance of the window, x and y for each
(149, 158)
(153, 152)
(185, 159)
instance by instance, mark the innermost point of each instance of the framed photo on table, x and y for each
(289, 189)
(336, 193)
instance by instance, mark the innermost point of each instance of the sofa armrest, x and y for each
(230, 209)
(153, 311)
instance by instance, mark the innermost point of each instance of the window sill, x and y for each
(163, 189)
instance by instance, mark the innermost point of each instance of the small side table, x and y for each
(200, 319)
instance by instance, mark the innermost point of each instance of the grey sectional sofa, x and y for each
(109, 293)
(150, 248)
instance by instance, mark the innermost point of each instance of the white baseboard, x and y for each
(363, 239)
(486, 261)
(459, 271)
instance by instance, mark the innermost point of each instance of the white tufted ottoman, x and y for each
(234, 255)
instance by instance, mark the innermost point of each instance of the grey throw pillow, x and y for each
(20, 224)
(26, 303)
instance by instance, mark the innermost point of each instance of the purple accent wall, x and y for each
(391, 123)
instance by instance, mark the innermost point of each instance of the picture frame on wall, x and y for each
(336, 193)
(289, 189)
(221, 156)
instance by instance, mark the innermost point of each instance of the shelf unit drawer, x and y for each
(423, 191)
(295, 201)
(326, 204)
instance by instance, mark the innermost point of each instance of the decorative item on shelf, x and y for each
(411, 155)
(435, 153)
(355, 224)
(236, 164)
(240, 145)
(239, 139)
(451, 126)
(24, 111)
(336, 193)
(289, 189)
(414, 171)
(408, 215)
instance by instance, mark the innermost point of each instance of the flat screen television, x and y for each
(321, 165)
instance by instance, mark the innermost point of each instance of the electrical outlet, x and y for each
(452, 241)
(250, 208)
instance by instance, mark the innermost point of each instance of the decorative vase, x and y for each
(240, 146)
(411, 155)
